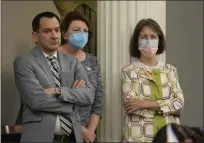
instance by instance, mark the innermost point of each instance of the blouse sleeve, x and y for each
(176, 102)
(127, 89)
(97, 105)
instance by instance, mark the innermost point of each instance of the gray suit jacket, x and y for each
(32, 74)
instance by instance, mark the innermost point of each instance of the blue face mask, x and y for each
(78, 40)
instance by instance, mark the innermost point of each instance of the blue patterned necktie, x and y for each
(65, 122)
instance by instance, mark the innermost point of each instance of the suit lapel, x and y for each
(42, 61)
(63, 67)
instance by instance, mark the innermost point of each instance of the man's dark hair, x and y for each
(134, 46)
(37, 18)
(71, 16)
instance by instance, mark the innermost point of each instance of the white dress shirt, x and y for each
(57, 125)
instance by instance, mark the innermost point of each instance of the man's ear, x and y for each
(35, 38)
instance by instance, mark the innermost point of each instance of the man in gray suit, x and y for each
(44, 78)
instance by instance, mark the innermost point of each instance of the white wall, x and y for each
(16, 20)
(185, 50)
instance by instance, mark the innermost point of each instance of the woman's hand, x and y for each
(88, 136)
(132, 104)
(79, 84)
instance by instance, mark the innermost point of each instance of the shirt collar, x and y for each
(46, 55)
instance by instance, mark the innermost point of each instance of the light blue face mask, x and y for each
(78, 40)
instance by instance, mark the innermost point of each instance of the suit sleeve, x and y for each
(79, 96)
(32, 92)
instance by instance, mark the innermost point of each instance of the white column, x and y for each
(116, 21)
(155, 10)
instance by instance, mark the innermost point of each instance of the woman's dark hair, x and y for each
(181, 132)
(134, 46)
(67, 20)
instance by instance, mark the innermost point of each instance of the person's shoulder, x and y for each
(135, 65)
(23, 61)
(68, 57)
(128, 67)
(91, 58)
(26, 57)
(171, 67)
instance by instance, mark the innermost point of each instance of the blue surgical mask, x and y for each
(78, 40)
